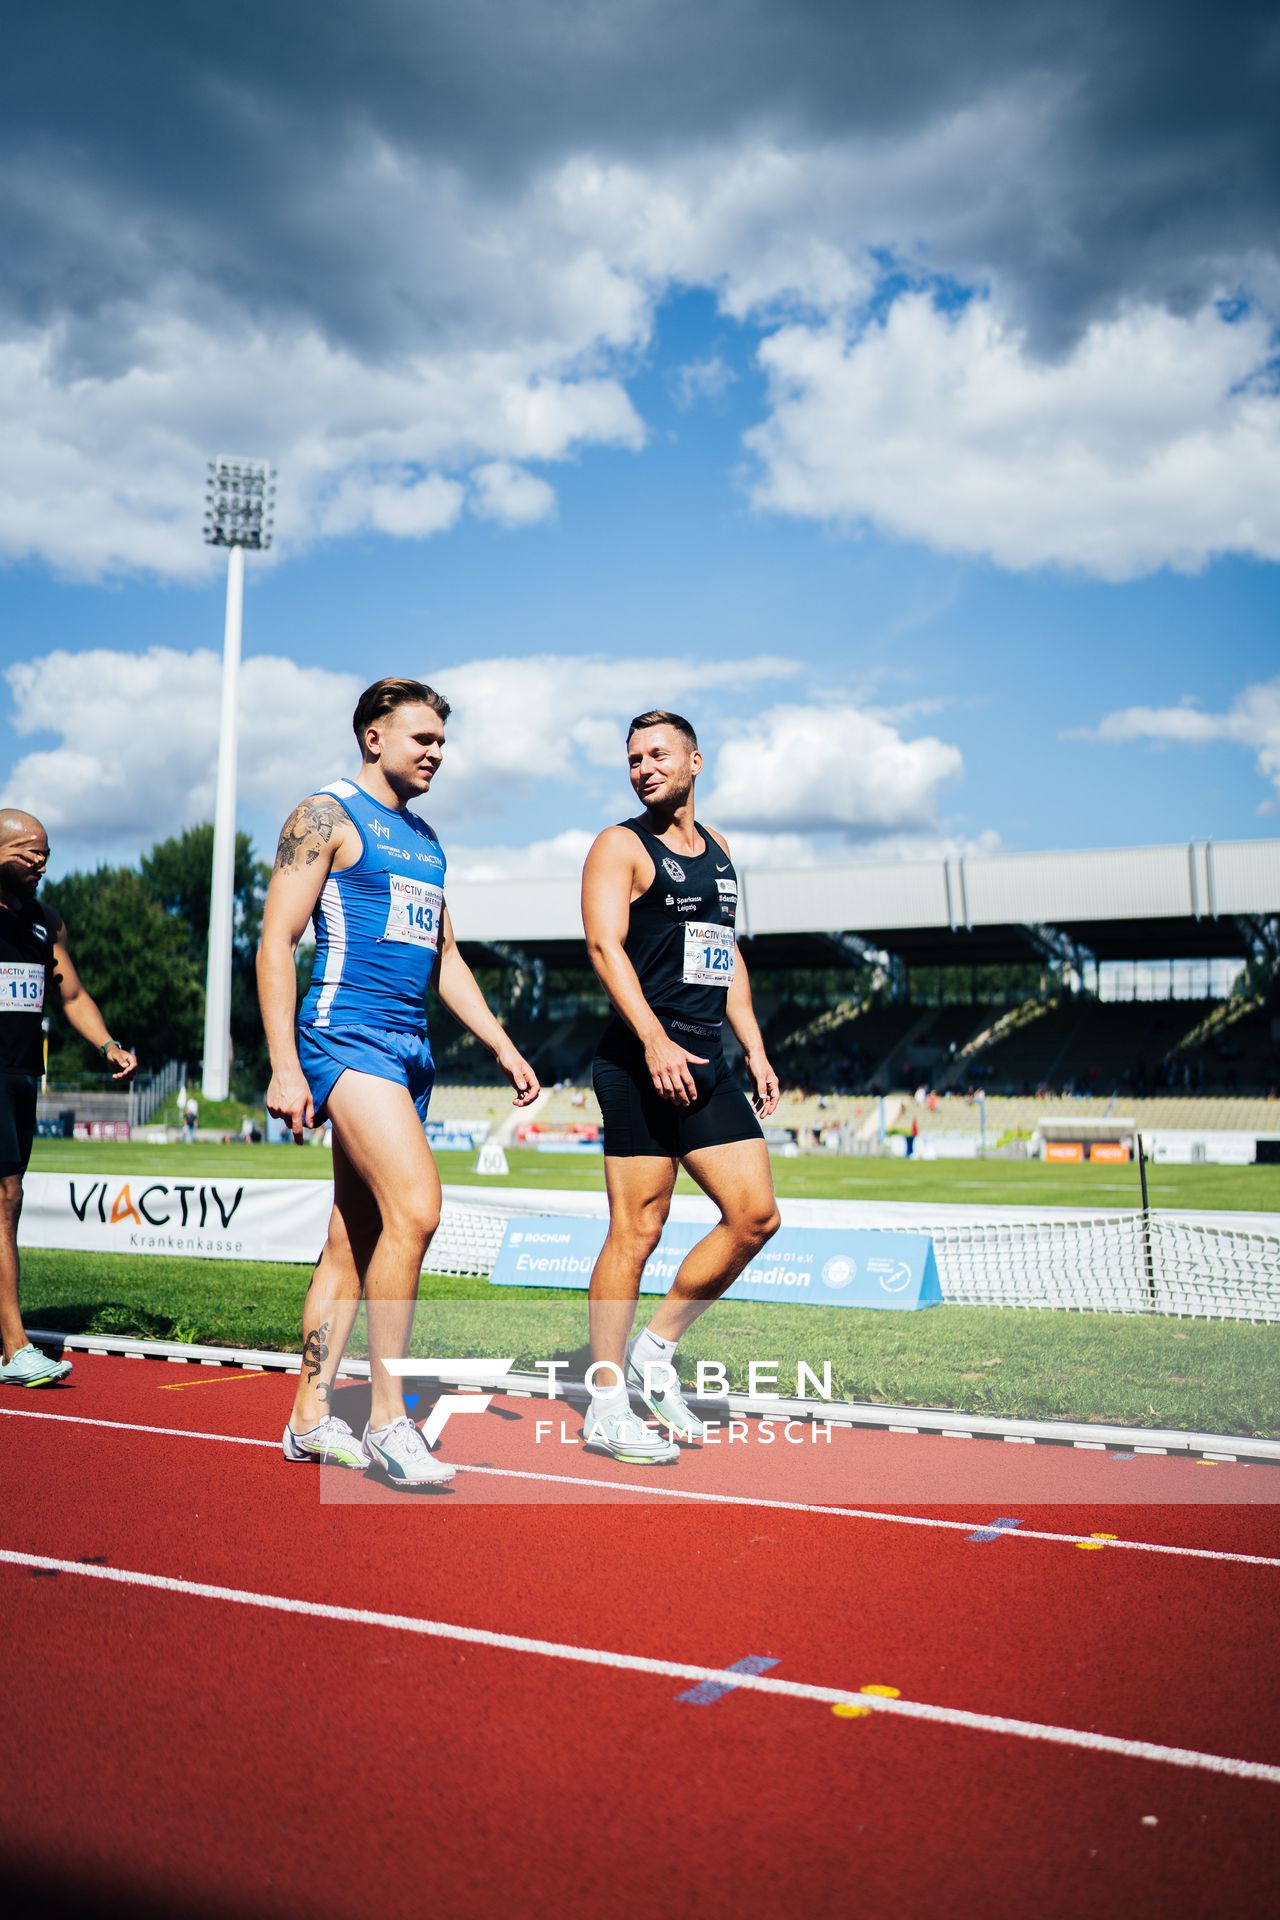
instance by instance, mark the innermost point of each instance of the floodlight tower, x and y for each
(239, 503)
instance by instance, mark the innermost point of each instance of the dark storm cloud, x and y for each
(205, 156)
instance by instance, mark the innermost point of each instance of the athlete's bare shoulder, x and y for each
(618, 859)
(719, 839)
(315, 827)
(614, 846)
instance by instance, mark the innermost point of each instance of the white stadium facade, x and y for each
(1211, 899)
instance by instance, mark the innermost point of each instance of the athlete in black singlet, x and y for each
(659, 905)
(33, 961)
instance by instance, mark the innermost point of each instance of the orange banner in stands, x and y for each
(1109, 1150)
(1064, 1150)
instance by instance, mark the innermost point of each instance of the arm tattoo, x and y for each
(308, 829)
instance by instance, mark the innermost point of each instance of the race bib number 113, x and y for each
(414, 915)
(21, 988)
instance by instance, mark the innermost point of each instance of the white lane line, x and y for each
(688, 1493)
(133, 1426)
(863, 1513)
(667, 1669)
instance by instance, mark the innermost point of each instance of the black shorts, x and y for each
(637, 1120)
(17, 1120)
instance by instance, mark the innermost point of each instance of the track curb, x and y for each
(1237, 1448)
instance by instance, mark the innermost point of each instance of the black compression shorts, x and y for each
(17, 1120)
(637, 1120)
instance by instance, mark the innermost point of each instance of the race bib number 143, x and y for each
(414, 915)
(21, 988)
(708, 954)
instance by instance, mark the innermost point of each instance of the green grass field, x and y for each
(1218, 1377)
(1221, 1377)
(1023, 1183)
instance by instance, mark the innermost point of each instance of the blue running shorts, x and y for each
(387, 1053)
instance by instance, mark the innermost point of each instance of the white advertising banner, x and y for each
(222, 1219)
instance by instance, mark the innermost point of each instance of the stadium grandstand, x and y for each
(949, 1001)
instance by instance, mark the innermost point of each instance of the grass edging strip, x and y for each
(851, 1413)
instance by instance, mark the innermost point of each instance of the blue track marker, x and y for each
(1003, 1525)
(707, 1692)
(1122, 1456)
(411, 1400)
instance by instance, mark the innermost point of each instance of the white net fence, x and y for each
(1112, 1263)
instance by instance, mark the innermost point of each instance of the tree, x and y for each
(136, 961)
(179, 872)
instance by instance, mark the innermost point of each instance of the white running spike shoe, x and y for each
(404, 1456)
(624, 1436)
(331, 1444)
(667, 1403)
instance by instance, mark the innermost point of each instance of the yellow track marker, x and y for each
(1095, 1542)
(223, 1380)
(849, 1710)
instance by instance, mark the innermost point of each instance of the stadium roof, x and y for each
(1202, 899)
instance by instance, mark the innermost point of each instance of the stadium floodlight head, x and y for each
(240, 498)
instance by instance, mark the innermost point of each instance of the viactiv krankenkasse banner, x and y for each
(211, 1219)
(824, 1266)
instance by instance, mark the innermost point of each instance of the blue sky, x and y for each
(779, 416)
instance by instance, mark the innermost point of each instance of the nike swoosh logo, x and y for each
(720, 869)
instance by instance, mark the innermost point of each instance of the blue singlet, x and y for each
(377, 923)
(377, 927)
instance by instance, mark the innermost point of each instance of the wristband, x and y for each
(107, 1045)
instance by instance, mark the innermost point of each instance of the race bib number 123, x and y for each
(708, 954)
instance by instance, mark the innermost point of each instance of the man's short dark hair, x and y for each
(384, 696)
(662, 719)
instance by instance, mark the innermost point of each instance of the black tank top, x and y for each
(26, 969)
(681, 935)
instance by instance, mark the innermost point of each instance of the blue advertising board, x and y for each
(823, 1266)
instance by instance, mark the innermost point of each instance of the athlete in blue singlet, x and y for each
(370, 876)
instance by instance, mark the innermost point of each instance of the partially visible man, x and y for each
(33, 957)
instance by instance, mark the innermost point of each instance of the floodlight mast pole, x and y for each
(239, 516)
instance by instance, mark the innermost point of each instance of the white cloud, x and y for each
(549, 716)
(511, 495)
(137, 740)
(822, 786)
(831, 769)
(1155, 442)
(460, 326)
(558, 858)
(103, 474)
(517, 724)
(1252, 720)
(562, 856)
(701, 380)
(398, 504)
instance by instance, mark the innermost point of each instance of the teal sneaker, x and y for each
(331, 1444)
(668, 1406)
(31, 1368)
(624, 1436)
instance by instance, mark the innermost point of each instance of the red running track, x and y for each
(213, 1755)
